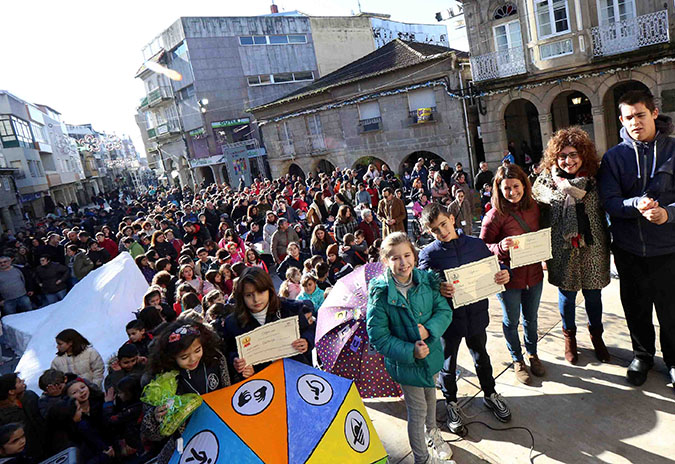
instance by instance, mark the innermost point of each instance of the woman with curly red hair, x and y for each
(567, 186)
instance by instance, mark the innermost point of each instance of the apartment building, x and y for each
(392, 106)
(541, 65)
(196, 130)
(21, 150)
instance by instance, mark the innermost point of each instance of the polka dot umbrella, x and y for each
(342, 341)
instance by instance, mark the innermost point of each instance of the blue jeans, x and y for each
(567, 306)
(15, 305)
(50, 298)
(515, 302)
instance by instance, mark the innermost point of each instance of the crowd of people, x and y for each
(210, 258)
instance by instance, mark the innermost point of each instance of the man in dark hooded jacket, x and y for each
(638, 193)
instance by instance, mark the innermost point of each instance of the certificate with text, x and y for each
(474, 281)
(270, 342)
(530, 248)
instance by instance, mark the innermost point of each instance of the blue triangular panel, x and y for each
(313, 398)
(208, 440)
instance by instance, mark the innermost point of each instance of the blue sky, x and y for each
(79, 57)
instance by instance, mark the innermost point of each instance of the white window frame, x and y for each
(268, 42)
(426, 90)
(551, 16)
(505, 25)
(601, 8)
(314, 124)
(571, 52)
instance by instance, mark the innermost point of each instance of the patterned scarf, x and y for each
(576, 226)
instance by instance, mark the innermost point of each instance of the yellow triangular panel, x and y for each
(351, 437)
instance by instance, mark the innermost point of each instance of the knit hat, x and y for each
(332, 249)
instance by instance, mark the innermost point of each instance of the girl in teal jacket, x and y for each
(406, 318)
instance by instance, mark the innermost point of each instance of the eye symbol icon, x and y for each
(317, 388)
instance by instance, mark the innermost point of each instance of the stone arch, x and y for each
(619, 77)
(556, 90)
(610, 104)
(572, 108)
(323, 165)
(409, 161)
(207, 175)
(522, 127)
(509, 97)
(361, 164)
(295, 170)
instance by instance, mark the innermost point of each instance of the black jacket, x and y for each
(288, 308)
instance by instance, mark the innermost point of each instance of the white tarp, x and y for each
(99, 307)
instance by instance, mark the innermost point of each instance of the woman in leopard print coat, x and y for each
(568, 190)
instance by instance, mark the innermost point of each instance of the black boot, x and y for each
(598, 344)
(637, 371)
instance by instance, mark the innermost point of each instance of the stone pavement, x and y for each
(586, 413)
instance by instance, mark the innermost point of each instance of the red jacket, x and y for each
(497, 227)
(110, 246)
(371, 231)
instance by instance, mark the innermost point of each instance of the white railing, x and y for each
(631, 34)
(495, 65)
(317, 142)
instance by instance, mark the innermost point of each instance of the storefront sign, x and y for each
(28, 197)
(230, 122)
(196, 132)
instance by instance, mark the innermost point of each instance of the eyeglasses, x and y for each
(571, 155)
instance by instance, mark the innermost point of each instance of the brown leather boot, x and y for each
(598, 344)
(571, 354)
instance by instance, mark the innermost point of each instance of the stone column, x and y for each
(7, 218)
(546, 127)
(599, 129)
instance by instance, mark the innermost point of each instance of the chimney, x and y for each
(274, 8)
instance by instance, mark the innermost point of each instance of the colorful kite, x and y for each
(288, 413)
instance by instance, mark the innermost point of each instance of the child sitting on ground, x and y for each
(322, 270)
(350, 252)
(291, 288)
(338, 266)
(13, 444)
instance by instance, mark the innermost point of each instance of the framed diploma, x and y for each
(269, 342)
(474, 281)
(530, 248)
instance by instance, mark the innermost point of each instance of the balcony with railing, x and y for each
(631, 34)
(370, 124)
(499, 64)
(164, 130)
(156, 96)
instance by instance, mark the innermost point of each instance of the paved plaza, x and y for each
(586, 413)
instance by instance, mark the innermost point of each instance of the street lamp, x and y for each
(202, 104)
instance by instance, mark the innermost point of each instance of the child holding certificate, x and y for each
(405, 320)
(255, 304)
(450, 250)
(514, 213)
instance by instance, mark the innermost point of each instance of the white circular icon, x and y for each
(253, 397)
(314, 389)
(201, 449)
(356, 431)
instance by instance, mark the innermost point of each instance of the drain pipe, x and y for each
(466, 127)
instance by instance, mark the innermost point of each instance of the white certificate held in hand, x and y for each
(474, 281)
(530, 248)
(270, 342)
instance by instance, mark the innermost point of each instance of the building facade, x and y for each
(392, 106)
(541, 65)
(10, 213)
(196, 129)
(21, 150)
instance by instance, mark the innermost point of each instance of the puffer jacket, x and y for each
(392, 319)
(630, 170)
(467, 320)
(88, 365)
(497, 227)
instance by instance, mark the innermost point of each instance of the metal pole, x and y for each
(466, 125)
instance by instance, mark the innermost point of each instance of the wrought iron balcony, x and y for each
(370, 124)
(631, 34)
(499, 64)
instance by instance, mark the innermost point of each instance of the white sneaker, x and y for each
(438, 447)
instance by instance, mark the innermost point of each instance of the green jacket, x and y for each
(392, 326)
(136, 249)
